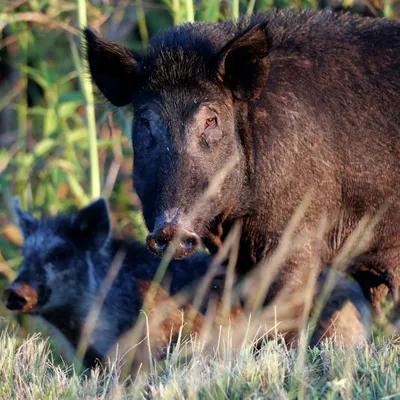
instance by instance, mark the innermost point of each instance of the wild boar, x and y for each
(294, 102)
(66, 261)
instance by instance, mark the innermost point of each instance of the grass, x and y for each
(59, 148)
(87, 89)
(28, 371)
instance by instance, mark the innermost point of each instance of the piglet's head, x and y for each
(57, 264)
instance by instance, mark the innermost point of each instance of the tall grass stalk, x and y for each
(189, 11)
(250, 7)
(144, 33)
(235, 9)
(22, 108)
(87, 89)
(175, 11)
(388, 8)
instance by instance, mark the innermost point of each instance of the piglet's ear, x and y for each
(112, 67)
(92, 227)
(243, 65)
(27, 222)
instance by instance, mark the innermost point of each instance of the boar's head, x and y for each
(187, 91)
(56, 268)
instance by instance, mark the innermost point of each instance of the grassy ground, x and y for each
(372, 371)
(58, 151)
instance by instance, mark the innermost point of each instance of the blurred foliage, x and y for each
(44, 141)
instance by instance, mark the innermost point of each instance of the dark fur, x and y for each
(67, 258)
(305, 100)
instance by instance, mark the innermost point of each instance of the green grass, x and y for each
(27, 370)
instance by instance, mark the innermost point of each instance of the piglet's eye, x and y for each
(210, 122)
(58, 255)
(145, 122)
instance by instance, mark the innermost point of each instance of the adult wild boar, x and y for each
(302, 100)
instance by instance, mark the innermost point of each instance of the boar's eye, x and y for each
(145, 122)
(210, 122)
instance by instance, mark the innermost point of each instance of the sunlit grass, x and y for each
(27, 370)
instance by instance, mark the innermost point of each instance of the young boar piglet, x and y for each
(66, 260)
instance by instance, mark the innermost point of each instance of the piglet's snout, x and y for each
(20, 296)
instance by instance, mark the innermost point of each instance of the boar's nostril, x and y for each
(15, 302)
(191, 242)
(21, 297)
(161, 243)
(159, 240)
(154, 244)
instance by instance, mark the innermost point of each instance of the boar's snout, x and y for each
(19, 296)
(187, 242)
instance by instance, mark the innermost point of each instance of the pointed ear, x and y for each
(92, 227)
(243, 65)
(112, 68)
(27, 222)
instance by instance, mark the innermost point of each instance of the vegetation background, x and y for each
(59, 147)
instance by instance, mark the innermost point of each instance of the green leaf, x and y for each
(50, 122)
(71, 96)
(36, 75)
(40, 195)
(38, 110)
(44, 146)
(77, 135)
(65, 165)
(67, 109)
(210, 11)
(77, 190)
(57, 176)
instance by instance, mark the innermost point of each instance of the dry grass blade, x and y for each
(266, 272)
(93, 317)
(39, 18)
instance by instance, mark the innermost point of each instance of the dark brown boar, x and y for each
(294, 102)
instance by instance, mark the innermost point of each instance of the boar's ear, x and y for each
(27, 222)
(92, 228)
(112, 67)
(243, 65)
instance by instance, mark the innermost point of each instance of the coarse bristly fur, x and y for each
(305, 101)
(66, 261)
